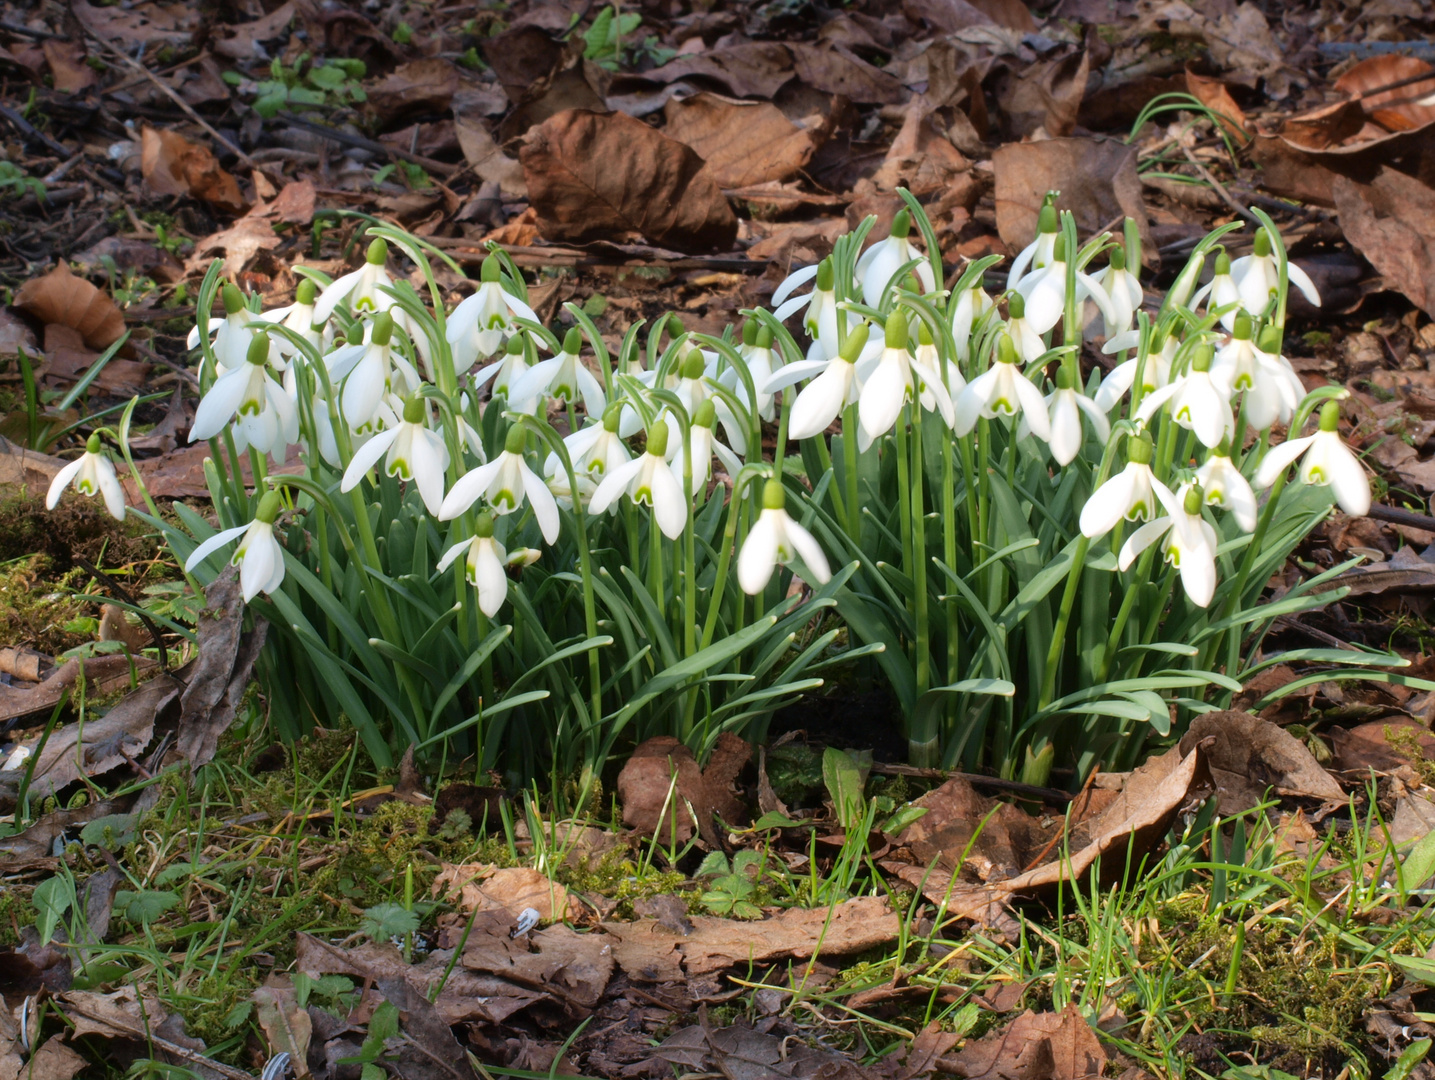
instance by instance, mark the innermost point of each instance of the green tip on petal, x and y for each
(1118, 258)
(378, 253)
(1046, 221)
(483, 525)
(658, 439)
(826, 275)
(1242, 330)
(515, 440)
(1016, 306)
(92, 444)
(258, 348)
(773, 496)
(1140, 449)
(1263, 243)
(902, 225)
(855, 343)
(269, 507)
(924, 334)
(896, 331)
(1006, 351)
(764, 338)
(414, 410)
(694, 365)
(572, 341)
(1194, 498)
(1330, 416)
(1202, 357)
(306, 291)
(383, 328)
(233, 299)
(749, 332)
(706, 414)
(489, 271)
(1223, 262)
(1058, 249)
(515, 344)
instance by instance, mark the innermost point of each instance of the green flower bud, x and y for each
(383, 329)
(414, 410)
(483, 525)
(378, 252)
(896, 331)
(1016, 306)
(1242, 330)
(1118, 258)
(773, 496)
(572, 341)
(1058, 249)
(694, 365)
(515, 440)
(1064, 379)
(92, 444)
(676, 329)
(269, 507)
(826, 275)
(1194, 498)
(612, 418)
(855, 343)
(706, 414)
(1046, 219)
(1263, 243)
(490, 271)
(764, 338)
(233, 299)
(1006, 351)
(1270, 340)
(924, 333)
(1201, 358)
(306, 291)
(749, 332)
(902, 225)
(1223, 261)
(515, 345)
(658, 439)
(258, 348)
(1330, 416)
(1140, 450)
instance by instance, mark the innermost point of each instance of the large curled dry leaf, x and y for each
(1391, 221)
(742, 142)
(664, 792)
(1407, 107)
(217, 679)
(608, 176)
(1249, 756)
(62, 299)
(1034, 1046)
(172, 165)
(419, 86)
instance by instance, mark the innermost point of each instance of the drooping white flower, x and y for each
(1024, 336)
(893, 382)
(1045, 292)
(411, 451)
(1002, 390)
(479, 324)
(231, 334)
(834, 388)
(507, 373)
(776, 539)
(929, 358)
(363, 288)
(1039, 253)
(369, 370)
(297, 317)
(648, 481)
(1154, 375)
(1196, 401)
(1325, 461)
(883, 259)
(705, 444)
(260, 557)
(1187, 542)
(1222, 291)
(1239, 368)
(597, 448)
(92, 473)
(967, 311)
(563, 377)
(1226, 487)
(1257, 277)
(761, 360)
(691, 387)
(264, 416)
(484, 566)
(1288, 384)
(505, 482)
(1130, 495)
(1123, 288)
(819, 319)
(1064, 409)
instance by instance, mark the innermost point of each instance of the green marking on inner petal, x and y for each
(496, 321)
(1003, 406)
(563, 392)
(505, 498)
(1314, 474)
(643, 496)
(1139, 510)
(1173, 555)
(85, 486)
(400, 468)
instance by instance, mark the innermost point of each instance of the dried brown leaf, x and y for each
(1405, 108)
(55, 1060)
(217, 678)
(1216, 96)
(511, 889)
(172, 165)
(67, 66)
(242, 41)
(592, 176)
(835, 70)
(754, 69)
(419, 86)
(62, 299)
(1034, 1046)
(1249, 756)
(286, 1026)
(488, 160)
(1391, 221)
(742, 142)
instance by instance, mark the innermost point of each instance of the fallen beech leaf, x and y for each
(487, 158)
(241, 41)
(1009, 13)
(70, 360)
(1391, 221)
(1007, 838)
(594, 176)
(1034, 1046)
(104, 674)
(419, 86)
(67, 66)
(64, 299)
(1214, 94)
(54, 1061)
(239, 243)
(285, 1025)
(429, 1050)
(216, 679)
(1046, 96)
(946, 16)
(131, 254)
(1097, 180)
(742, 142)
(172, 165)
(1249, 755)
(511, 889)
(921, 158)
(1406, 108)
(295, 203)
(573, 967)
(753, 69)
(144, 24)
(656, 805)
(837, 71)
(1381, 745)
(743, 1053)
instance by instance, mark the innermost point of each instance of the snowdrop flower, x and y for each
(92, 473)
(1287, 382)
(1045, 292)
(1130, 495)
(1226, 487)
(509, 372)
(1002, 390)
(298, 317)
(479, 324)
(928, 358)
(259, 557)
(775, 538)
(692, 389)
(1257, 277)
(648, 481)
(232, 335)
(835, 387)
(761, 360)
(1325, 461)
(597, 448)
(370, 370)
(1239, 368)
(1123, 288)
(1197, 402)
(363, 288)
(267, 417)
(1029, 345)
(819, 319)
(563, 492)
(1155, 375)
(883, 259)
(890, 386)
(705, 444)
(1037, 255)
(504, 482)
(484, 566)
(414, 453)
(1187, 542)
(1222, 291)
(1065, 406)
(967, 311)
(563, 377)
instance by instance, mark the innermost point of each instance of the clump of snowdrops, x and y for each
(510, 541)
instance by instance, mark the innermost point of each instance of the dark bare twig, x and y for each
(358, 142)
(30, 131)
